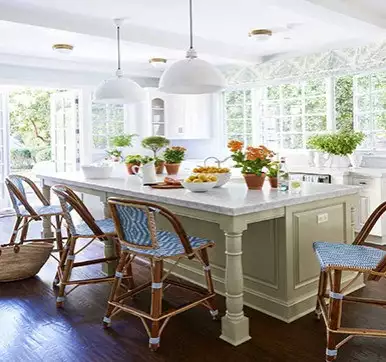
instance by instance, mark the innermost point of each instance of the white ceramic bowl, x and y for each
(222, 178)
(97, 172)
(199, 186)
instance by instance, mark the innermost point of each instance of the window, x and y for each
(370, 109)
(290, 113)
(238, 108)
(108, 120)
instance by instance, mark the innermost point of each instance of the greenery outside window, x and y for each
(108, 120)
(238, 115)
(370, 109)
(291, 113)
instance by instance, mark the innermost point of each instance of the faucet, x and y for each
(217, 160)
(213, 158)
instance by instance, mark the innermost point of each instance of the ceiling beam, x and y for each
(52, 19)
(354, 9)
(336, 13)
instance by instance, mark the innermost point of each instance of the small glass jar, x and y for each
(296, 185)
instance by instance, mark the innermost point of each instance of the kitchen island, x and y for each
(263, 256)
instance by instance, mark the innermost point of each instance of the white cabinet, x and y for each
(370, 198)
(180, 116)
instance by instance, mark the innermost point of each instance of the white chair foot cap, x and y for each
(60, 299)
(155, 340)
(214, 313)
(106, 320)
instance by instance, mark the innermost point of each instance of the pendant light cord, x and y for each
(191, 22)
(119, 47)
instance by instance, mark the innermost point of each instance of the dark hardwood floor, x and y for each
(32, 329)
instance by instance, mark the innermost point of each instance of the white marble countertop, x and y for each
(232, 199)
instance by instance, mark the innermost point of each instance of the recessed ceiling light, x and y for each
(157, 62)
(63, 48)
(260, 34)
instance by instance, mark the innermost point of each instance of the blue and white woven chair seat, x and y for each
(169, 245)
(43, 210)
(106, 226)
(343, 256)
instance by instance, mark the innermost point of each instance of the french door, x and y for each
(4, 149)
(65, 131)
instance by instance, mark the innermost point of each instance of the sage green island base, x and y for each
(263, 256)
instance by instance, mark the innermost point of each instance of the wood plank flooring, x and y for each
(33, 330)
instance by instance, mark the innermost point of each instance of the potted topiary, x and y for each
(253, 162)
(155, 144)
(340, 146)
(173, 157)
(273, 170)
(132, 160)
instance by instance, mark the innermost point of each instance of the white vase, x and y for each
(321, 159)
(311, 158)
(339, 161)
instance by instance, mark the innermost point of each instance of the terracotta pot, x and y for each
(159, 168)
(254, 182)
(273, 182)
(130, 167)
(172, 168)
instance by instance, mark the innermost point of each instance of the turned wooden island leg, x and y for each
(47, 230)
(234, 325)
(110, 250)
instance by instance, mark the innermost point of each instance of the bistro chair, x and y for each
(135, 223)
(25, 212)
(90, 229)
(336, 258)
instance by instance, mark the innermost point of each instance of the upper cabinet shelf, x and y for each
(180, 116)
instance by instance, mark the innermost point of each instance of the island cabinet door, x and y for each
(307, 226)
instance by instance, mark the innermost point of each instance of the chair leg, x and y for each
(156, 304)
(334, 316)
(24, 230)
(128, 271)
(58, 235)
(114, 290)
(67, 272)
(209, 282)
(15, 230)
(321, 292)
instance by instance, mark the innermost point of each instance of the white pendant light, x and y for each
(191, 75)
(119, 90)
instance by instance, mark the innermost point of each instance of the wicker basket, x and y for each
(19, 262)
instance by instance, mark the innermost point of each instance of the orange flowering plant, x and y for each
(251, 161)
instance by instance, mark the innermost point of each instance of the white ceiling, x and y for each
(158, 28)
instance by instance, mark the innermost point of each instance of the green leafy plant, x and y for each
(146, 159)
(174, 154)
(273, 169)
(342, 143)
(115, 154)
(133, 159)
(21, 158)
(252, 161)
(158, 161)
(43, 155)
(125, 140)
(155, 144)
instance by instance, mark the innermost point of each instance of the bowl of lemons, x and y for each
(223, 174)
(200, 182)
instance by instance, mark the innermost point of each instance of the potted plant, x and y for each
(340, 146)
(132, 160)
(273, 170)
(155, 144)
(115, 155)
(252, 162)
(173, 157)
